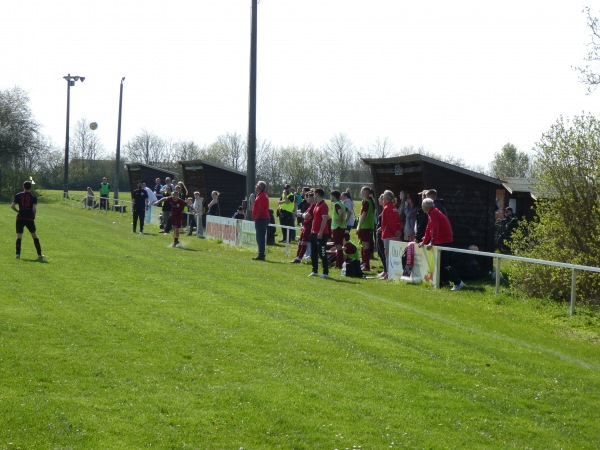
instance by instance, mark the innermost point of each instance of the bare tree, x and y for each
(381, 148)
(85, 144)
(233, 147)
(589, 75)
(147, 148)
(186, 151)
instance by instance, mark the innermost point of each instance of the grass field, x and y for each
(118, 341)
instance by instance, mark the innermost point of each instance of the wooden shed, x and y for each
(521, 197)
(139, 171)
(469, 197)
(205, 177)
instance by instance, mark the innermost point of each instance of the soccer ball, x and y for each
(93, 125)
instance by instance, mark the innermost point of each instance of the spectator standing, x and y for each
(261, 216)
(307, 216)
(239, 214)
(26, 212)
(299, 198)
(318, 236)
(349, 204)
(439, 232)
(410, 212)
(158, 187)
(89, 198)
(379, 242)
(286, 208)
(176, 216)
(338, 226)
(198, 200)
(365, 226)
(140, 203)
(213, 206)
(421, 220)
(183, 192)
(391, 226)
(104, 191)
(303, 206)
(439, 204)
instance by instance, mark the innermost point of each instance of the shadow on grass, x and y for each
(35, 260)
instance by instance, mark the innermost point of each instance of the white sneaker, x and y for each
(458, 287)
(325, 275)
(313, 274)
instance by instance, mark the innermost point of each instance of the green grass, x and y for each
(119, 341)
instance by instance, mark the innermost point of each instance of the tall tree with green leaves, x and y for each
(18, 135)
(566, 176)
(510, 162)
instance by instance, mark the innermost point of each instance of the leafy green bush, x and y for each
(567, 226)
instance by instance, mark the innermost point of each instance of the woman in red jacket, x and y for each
(391, 226)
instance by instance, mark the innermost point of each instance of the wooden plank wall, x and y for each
(232, 186)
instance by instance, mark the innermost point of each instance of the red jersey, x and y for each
(260, 208)
(438, 231)
(391, 227)
(320, 212)
(176, 207)
(308, 222)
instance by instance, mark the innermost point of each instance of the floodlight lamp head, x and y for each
(82, 78)
(122, 79)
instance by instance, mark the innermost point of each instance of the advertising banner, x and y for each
(222, 228)
(424, 264)
(247, 235)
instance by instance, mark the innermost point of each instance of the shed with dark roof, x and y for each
(205, 177)
(146, 173)
(471, 198)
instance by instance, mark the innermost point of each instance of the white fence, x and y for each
(427, 265)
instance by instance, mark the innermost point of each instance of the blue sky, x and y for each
(457, 78)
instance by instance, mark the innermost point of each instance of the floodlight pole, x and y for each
(251, 159)
(70, 82)
(118, 156)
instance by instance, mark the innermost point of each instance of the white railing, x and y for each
(498, 257)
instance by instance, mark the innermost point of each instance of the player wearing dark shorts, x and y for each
(140, 203)
(304, 240)
(26, 217)
(177, 204)
(366, 224)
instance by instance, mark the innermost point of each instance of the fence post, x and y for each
(438, 264)
(573, 288)
(498, 273)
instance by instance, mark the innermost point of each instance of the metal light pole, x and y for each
(251, 164)
(70, 82)
(118, 158)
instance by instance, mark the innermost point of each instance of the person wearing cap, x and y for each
(439, 232)
(286, 209)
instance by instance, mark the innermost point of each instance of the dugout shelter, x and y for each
(146, 173)
(205, 177)
(469, 197)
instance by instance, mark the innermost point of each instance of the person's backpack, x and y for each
(353, 269)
